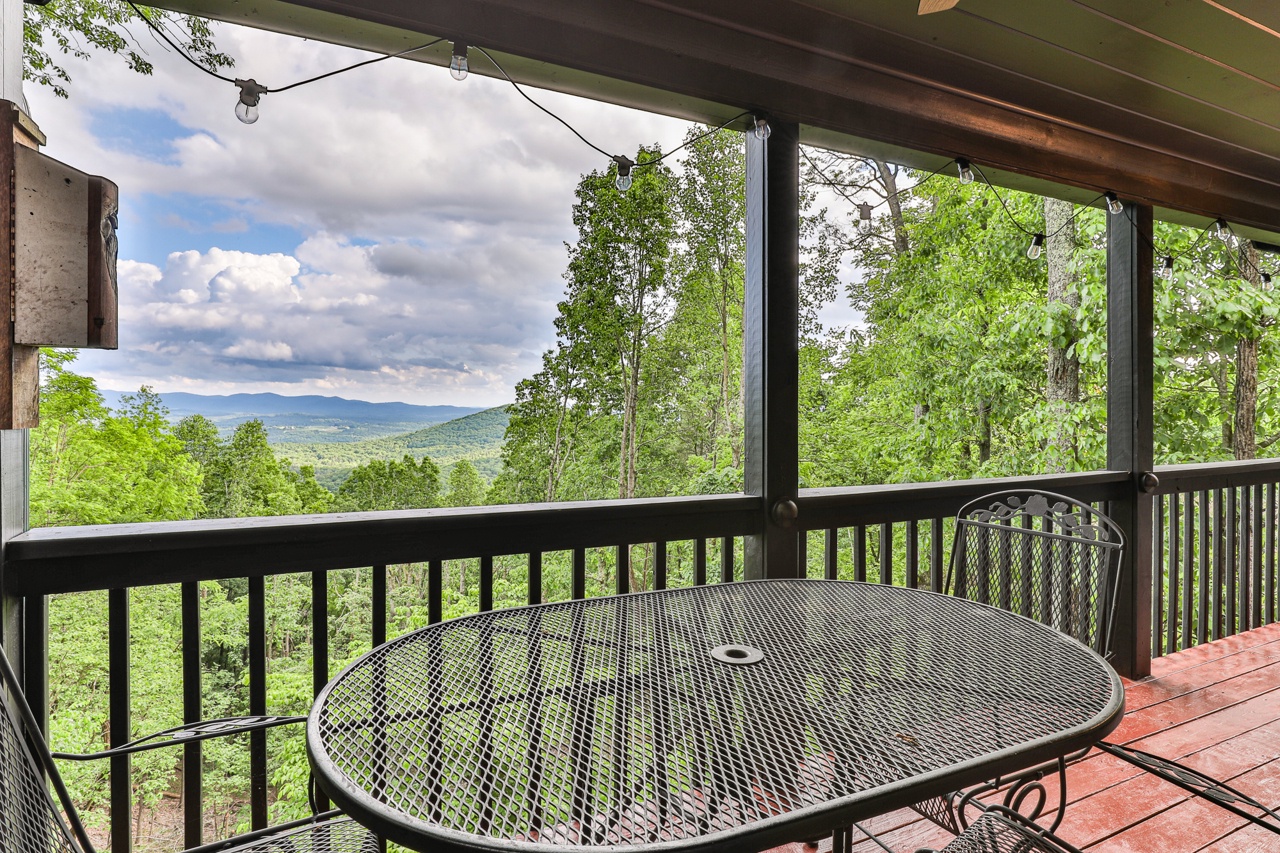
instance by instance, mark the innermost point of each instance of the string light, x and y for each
(965, 169)
(1221, 228)
(1114, 205)
(1036, 247)
(625, 164)
(1166, 268)
(247, 106)
(458, 61)
(762, 128)
(1266, 278)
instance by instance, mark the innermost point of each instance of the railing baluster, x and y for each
(579, 582)
(319, 646)
(1157, 573)
(379, 615)
(1269, 609)
(535, 577)
(831, 554)
(860, 553)
(700, 562)
(726, 560)
(802, 545)
(435, 591)
(1230, 625)
(1203, 565)
(622, 565)
(1188, 568)
(935, 555)
(192, 711)
(121, 726)
(1175, 560)
(886, 554)
(486, 583)
(258, 701)
(1255, 561)
(1219, 546)
(912, 579)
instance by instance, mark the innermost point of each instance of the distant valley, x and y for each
(335, 434)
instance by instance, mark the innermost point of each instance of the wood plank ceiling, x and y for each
(1170, 102)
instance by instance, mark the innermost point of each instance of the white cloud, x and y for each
(432, 213)
(225, 319)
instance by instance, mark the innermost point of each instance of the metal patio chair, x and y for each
(1203, 786)
(1003, 830)
(1050, 558)
(31, 821)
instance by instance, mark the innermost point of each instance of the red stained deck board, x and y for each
(1213, 651)
(1215, 707)
(1151, 691)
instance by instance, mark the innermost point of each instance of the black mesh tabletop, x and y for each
(726, 717)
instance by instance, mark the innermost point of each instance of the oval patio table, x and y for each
(727, 717)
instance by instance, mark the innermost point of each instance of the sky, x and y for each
(387, 234)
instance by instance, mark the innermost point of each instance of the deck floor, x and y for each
(1216, 708)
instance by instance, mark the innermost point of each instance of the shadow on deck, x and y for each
(1215, 707)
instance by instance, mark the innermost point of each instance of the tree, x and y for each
(76, 27)
(466, 488)
(381, 485)
(90, 465)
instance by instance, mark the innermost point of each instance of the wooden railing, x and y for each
(1214, 552)
(899, 534)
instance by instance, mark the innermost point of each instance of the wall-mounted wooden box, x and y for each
(64, 254)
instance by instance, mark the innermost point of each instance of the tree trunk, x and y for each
(1244, 439)
(984, 432)
(901, 243)
(1062, 391)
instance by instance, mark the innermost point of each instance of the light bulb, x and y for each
(1114, 205)
(1036, 247)
(1221, 228)
(965, 168)
(250, 93)
(247, 113)
(1166, 269)
(864, 212)
(624, 163)
(1266, 278)
(762, 128)
(458, 62)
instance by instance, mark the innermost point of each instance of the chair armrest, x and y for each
(1200, 784)
(186, 733)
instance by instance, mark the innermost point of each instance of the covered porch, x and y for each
(1171, 111)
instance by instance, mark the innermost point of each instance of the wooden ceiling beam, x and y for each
(850, 86)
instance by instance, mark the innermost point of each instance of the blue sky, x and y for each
(385, 234)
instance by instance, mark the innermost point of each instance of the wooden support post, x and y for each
(771, 358)
(22, 621)
(1130, 443)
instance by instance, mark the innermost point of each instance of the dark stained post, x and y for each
(771, 340)
(1130, 329)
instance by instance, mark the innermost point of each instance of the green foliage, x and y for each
(90, 465)
(81, 27)
(407, 484)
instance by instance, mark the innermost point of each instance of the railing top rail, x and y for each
(68, 559)
(840, 507)
(1216, 475)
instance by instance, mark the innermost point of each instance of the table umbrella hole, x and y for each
(737, 654)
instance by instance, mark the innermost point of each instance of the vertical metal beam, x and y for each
(771, 346)
(1130, 380)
